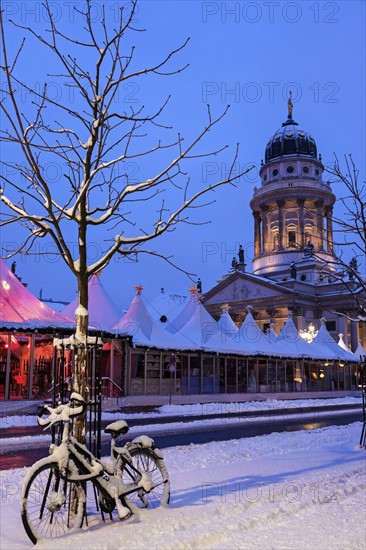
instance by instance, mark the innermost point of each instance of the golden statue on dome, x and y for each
(289, 106)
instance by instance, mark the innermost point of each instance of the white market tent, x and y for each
(20, 309)
(290, 338)
(360, 350)
(103, 311)
(327, 342)
(145, 331)
(272, 335)
(167, 305)
(184, 315)
(201, 328)
(226, 324)
(250, 340)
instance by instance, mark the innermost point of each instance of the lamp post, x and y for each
(172, 369)
(363, 390)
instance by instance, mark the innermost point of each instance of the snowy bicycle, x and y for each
(53, 500)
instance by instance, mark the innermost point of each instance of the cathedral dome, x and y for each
(290, 139)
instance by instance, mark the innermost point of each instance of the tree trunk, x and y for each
(80, 374)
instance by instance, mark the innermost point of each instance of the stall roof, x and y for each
(103, 311)
(289, 336)
(250, 339)
(145, 331)
(20, 309)
(226, 324)
(360, 350)
(327, 342)
(166, 304)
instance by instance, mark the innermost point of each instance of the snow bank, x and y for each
(279, 491)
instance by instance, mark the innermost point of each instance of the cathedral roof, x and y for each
(290, 139)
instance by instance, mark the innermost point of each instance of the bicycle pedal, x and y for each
(123, 511)
(125, 517)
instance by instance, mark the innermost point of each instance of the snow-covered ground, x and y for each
(291, 490)
(12, 421)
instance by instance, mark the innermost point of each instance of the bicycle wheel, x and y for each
(152, 473)
(51, 505)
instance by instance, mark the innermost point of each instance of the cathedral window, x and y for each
(292, 238)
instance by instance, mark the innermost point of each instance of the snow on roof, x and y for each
(168, 304)
(138, 323)
(341, 342)
(326, 341)
(195, 325)
(201, 327)
(103, 311)
(290, 338)
(184, 315)
(360, 350)
(251, 340)
(226, 324)
(272, 335)
(20, 309)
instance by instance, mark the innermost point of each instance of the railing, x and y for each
(293, 182)
(111, 389)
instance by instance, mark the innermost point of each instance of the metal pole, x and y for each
(170, 391)
(8, 366)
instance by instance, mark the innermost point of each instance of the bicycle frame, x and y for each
(77, 463)
(53, 500)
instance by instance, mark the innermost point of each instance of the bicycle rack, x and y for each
(61, 392)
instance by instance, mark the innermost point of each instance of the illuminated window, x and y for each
(292, 238)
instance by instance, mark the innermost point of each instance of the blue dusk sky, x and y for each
(248, 55)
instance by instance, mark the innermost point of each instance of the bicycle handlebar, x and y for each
(62, 413)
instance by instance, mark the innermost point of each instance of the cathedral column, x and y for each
(329, 214)
(300, 204)
(264, 210)
(257, 233)
(320, 223)
(354, 334)
(281, 224)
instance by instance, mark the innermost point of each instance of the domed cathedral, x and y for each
(294, 268)
(293, 207)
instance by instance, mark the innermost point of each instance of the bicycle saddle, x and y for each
(116, 428)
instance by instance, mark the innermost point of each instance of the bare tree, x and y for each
(93, 140)
(351, 226)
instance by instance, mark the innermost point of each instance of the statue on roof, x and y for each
(233, 263)
(353, 268)
(289, 106)
(241, 254)
(199, 286)
(309, 250)
(293, 270)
